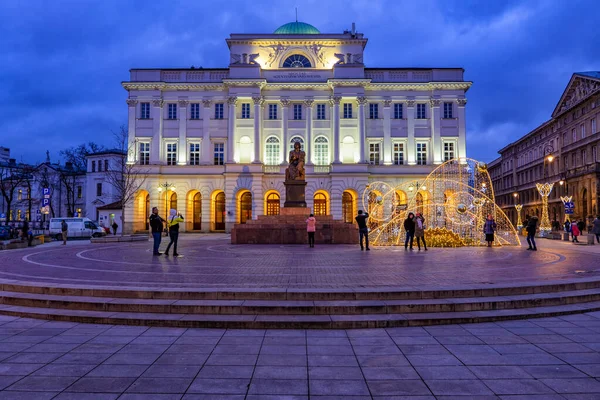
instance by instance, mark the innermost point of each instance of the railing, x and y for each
(588, 169)
(271, 169)
(322, 169)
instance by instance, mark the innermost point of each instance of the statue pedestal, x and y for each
(294, 194)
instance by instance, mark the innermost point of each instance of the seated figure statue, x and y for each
(295, 171)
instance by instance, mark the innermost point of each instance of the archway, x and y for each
(272, 203)
(584, 204)
(347, 207)
(400, 200)
(147, 212)
(245, 207)
(196, 211)
(141, 211)
(219, 211)
(320, 203)
(172, 202)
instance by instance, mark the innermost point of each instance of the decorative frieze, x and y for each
(131, 102)
(361, 100)
(232, 100)
(157, 102)
(335, 100)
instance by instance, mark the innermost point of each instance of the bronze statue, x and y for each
(295, 171)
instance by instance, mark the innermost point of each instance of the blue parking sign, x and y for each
(45, 202)
(46, 192)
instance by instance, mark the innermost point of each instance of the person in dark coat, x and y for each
(156, 225)
(531, 228)
(363, 229)
(420, 230)
(489, 227)
(581, 226)
(409, 227)
(115, 226)
(596, 228)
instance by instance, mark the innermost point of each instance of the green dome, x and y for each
(297, 28)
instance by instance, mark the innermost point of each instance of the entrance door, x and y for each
(219, 212)
(347, 208)
(197, 222)
(245, 207)
(147, 212)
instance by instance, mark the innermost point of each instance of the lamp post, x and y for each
(545, 189)
(166, 187)
(518, 207)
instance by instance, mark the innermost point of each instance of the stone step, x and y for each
(293, 321)
(286, 307)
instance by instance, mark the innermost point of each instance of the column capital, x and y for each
(461, 102)
(131, 102)
(308, 102)
(410, 103)
(434, 102)
(387, 102)
(206, 103)
(361, 100)
(285, 102)
(158, 102)
(335, 100)
(183, 103)
(258, 100)
(232, 100)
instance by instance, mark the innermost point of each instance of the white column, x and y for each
(182, 145)
(387, 132)
(258, 103)
(462, 122)
(231, 102)
(206, 145)
(310, 147)
(362, 101)
(132, 104)
(410, 123)
(156, 150)
(285, 106)
(435, 131)
(335, 123)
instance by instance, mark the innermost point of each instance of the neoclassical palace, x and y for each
(214, 142)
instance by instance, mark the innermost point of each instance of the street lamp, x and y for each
(545, 189)
(166, 187)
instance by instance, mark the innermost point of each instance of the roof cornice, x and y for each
(162, 86)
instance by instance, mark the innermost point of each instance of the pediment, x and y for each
(580, 87)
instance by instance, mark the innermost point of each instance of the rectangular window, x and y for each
(595, 153)
(374, 153)
(373, 110)
(347, 110)
(573, 159)
(144, 110)
(93, 166)
(218, 110)
(219, 153)
(399, 153)
(593, 126)
(106, 165)
(99, 165)
(398, 111)
(98, 189)
(297, 111)
(245, 110)
(20, 194)
(79, 192)
(421, 111)
(582, 131)
(583, 157)
(272, 111)
(194, 154)
(421, 153)
(195, 111)
(449, 151)
(574, 133)
(144, 153)
(171, 153)
(320, 111)
(172, 111)
(448, 110)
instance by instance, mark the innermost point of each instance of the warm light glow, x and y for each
(550, 158)
(173, 188)
(483, 184)
(423, 187)
(561, 182)
(515, 195)
(411, 188)
(160, 189)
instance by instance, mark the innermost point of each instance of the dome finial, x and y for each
(296, 14)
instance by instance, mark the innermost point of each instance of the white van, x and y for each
(78, 228)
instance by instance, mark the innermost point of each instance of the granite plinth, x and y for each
(294, 193)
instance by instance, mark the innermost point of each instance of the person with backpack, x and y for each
(311, 227)
(173, 224)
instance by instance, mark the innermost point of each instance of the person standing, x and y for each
(420, 231)
(64, 229)
(531, 228)
(582, 226)
(409, 227)
(115, 227)
(596, 228)
(311, 227)
(575, 231)
(489, 227)
(173, 224)
(363, 230)
(156, 225)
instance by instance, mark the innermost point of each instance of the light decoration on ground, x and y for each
(565, 200)
(545, 189)
(455, 199)
(519, 207)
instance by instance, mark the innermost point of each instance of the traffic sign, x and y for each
(46, 192)
(569, 211)
(45, 202)
(569, 204)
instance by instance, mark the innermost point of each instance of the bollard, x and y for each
(590, 239)
(566, 236)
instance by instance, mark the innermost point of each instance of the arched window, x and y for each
(219, 209)
(294, 140)
(273, 204)
(173, 202)
(321, 151)
(245, 207)
(320, 204)
(296, 61)
(197, 207)
(272, 151)
(347, 207)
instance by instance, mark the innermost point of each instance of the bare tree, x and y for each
(77, 155)
(12, 176)
(126, 178)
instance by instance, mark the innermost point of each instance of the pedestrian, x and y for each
(173, 223)
(531, 228)
(420, 230)
(64, 228)
(568, 226)
(115, 226)
(26, 233)
(489, 227)
(575, 231)
(156, 225)
(363, 230)
(409, 227)
(311, 227)
(596, 228)
(582, 226)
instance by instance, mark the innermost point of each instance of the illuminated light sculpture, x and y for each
(519, 207)
(565, 200)
(454, 199)
(545, 189)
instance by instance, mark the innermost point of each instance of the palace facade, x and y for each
(214, 142)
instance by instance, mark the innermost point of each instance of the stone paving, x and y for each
(543, 359)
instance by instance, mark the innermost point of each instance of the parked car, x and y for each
(77, 228)
(5, 233)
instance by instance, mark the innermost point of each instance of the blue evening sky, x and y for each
(62, 62)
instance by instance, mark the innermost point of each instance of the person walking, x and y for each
(311, 227)
(173, 223)
(409, 227)
(531, 228)
(420, 231)
(363, 230)
(26, 233)
(596, 228)
(156, 226)
(582, 226)
(489, 227)
(115, 227)
(575, 231)
(64, 230)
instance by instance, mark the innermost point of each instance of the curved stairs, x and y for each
(317, 308)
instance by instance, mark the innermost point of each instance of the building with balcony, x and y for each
(214, 142)
(562, 150)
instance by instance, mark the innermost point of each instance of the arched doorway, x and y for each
(273, 203)
(197, 212)
(320, 204)
(245, 207)
(172, 202)
(147, 211)
(584, 204)
(400, 200)
(419, 202)
(219, 211)
(347, 207)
